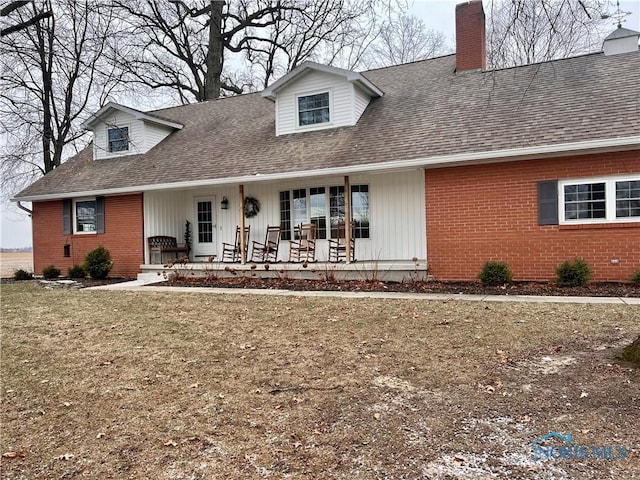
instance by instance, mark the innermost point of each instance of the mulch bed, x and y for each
(604, 289)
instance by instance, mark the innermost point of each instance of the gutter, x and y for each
(440, 161)
(22, 207)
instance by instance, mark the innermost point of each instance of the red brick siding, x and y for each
(489, 212)
(123, 236)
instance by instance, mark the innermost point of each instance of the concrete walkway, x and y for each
(141, 286)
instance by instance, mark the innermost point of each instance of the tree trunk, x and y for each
(214, 56)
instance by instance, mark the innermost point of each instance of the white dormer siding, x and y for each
(142, 135)
(346, 102)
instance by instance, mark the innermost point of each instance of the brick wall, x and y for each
(123, 236)
(489, 212)
(471, 44)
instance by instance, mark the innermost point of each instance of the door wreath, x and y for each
(251, 207)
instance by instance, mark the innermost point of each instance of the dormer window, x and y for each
(313, 109)
(118, 139)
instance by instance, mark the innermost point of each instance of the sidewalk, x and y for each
(140, 286)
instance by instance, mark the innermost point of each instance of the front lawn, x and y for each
(99, 384)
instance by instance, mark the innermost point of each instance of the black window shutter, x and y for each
(548, 202)
(66, 216)
(100, 214)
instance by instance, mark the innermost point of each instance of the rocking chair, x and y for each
(338, 246)
(233, 252)
(267, 251)
(304, 247)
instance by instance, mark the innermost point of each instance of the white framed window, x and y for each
(325, 208)
(314, 109)
(85, 215)
(118, 139)
(600, 200)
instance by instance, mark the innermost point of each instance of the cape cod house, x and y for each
(449, 165)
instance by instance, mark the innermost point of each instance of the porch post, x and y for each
(243, 247)
(347, 217)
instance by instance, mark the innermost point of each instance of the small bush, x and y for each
(574, 273)
(631, 353)
(21, 274)
(495, 273)
(98, 263)
(51, 272)
(635, 278)
(76, 272)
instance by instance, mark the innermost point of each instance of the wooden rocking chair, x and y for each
(338, 246)
(233, 253)
(267, 251)
(303, 248)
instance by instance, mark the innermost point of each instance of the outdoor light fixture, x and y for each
(224, 204)
(67, 250)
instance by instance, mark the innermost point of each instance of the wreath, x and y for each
(251, 207)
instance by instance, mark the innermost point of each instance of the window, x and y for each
(85, 213)
(118, 139)
(600, 200)
(585, 200)
(628, 199)
(313, 109)
(310, 206)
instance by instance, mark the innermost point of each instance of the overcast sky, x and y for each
(438, 15)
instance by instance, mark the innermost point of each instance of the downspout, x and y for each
(22, 207)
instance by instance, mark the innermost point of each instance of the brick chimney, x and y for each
(471, 43)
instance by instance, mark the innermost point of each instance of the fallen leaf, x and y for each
(584, 394)
(170, 443)
(100, 435)
(13, 455)
(66, 456)
(376, 416)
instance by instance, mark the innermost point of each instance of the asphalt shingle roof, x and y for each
(427, 110)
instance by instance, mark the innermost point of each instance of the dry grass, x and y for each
(12, 261)
(149, 385)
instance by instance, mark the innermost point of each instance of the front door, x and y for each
(204, 231)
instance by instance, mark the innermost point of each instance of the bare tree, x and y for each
(529, 31)
(23, 23)
(52, 73)
(404, 38)
(189, 48)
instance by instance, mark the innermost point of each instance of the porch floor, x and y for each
(387, 270)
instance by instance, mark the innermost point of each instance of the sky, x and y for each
(439, 15)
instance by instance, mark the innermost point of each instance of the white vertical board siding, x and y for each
(398, 225)
(396, 209)
(119, 119)
(341, 94)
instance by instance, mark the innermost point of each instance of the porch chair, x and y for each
(267, 251)
(233, 252)
(303, 248)
(338, 246)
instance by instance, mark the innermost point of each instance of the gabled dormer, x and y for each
(316, 97)
(119, 131)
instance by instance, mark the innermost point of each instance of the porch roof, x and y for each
(429, 116)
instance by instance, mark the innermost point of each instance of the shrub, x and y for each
(76, 272)
(495, 273)
(51, 272)
(631, 353)
(21, 274)
(98, 263)
(574, 273)
(635, 278)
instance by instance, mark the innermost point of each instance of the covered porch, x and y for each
(385, 213)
